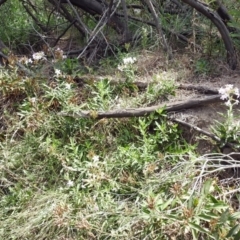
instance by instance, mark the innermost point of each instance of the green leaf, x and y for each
(235, 25)
(207, 217)
(206, 187)
(166, 204)
(218, 206)
(213, 199)
(237, 236)
(224, 216)
(233, 231)
(235, 215)
(198, 228)
(190, 202)
(161, 110)
(171, 216)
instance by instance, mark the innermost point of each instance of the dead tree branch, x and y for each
(200, 89)
(143, 85)
(65, 13)
(63, 33)
(140, 112)
(98, 29)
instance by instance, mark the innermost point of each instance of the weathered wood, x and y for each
(139, 112)
(198, 88)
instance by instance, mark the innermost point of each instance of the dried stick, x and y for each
(98, 28)
(87, 31)
(64, 32)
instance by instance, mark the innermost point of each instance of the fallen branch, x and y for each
(139, 112)
(200, 89)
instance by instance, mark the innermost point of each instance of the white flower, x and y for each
(137, 11)
(129, 60)
(95, 158)
(33, 100)
(120, 67)
(70, 183)
(38, 55)
(228, 103)
(236, 92)
(228, 91)
(68, 86)
(126, 62)
(224, 96)
(25, 60)
(224, 93)
(58, 72)
(29, 60)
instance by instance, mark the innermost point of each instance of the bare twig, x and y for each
(63, 33)
(62, 10)
(102, 22)
(87, 31)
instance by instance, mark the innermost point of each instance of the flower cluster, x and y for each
(127, 62)
(96, 172)
(228, 92)
(35, 58)
(58, 73)
(70, 183)
(58, 54)
(25, 60)
(38, 56)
